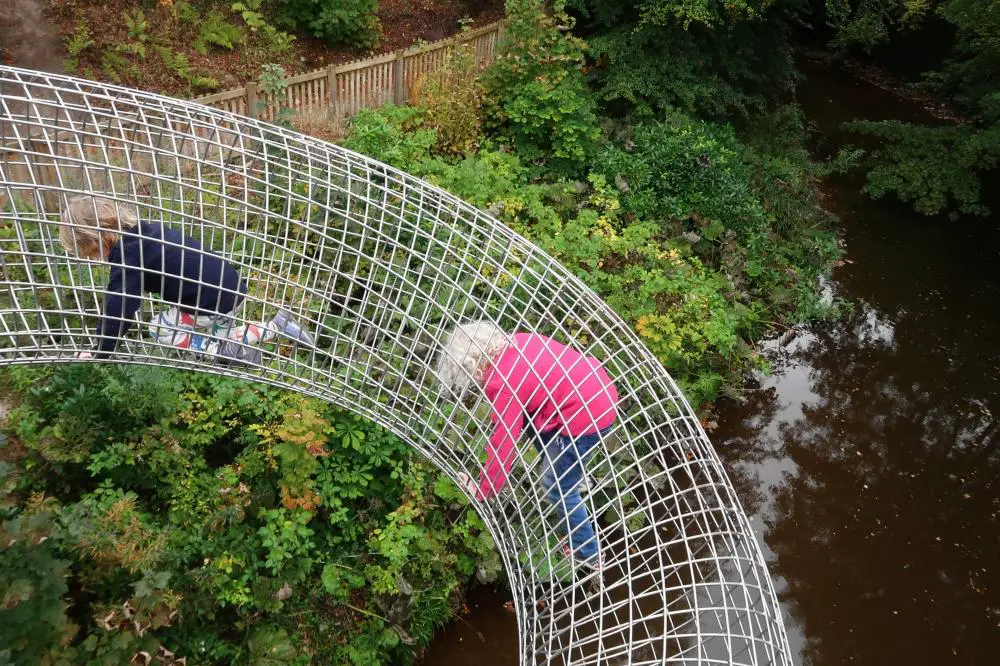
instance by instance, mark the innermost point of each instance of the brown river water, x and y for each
(869, 460)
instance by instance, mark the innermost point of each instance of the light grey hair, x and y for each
(467, 351)
(89, 222)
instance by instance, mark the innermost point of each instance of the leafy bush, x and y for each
(686, 174)
(33, 621)
(750, 212)
(714, 59)
(936, 167)
(274, 41)
(696, 239)
(80, 42)
(210, 519)
(392, 134)
(348, 22)
(180, 66)
(681, 308)
(536, 99)
(453, 97)
(933, 168)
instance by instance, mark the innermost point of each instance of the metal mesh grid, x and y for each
(377, 266)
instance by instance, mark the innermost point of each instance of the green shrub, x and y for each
(936, 166)
(274, 41)
(348, 22)
(33, 621)
(934, 169)
(684, 310)
(716, 59)
(219, 521)
(536, 98)
(392, 134)
(179, 65)
(750, 212)
(77, 45)
(453, 96)
(688, 175)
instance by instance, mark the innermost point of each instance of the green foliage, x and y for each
(214, 30)
(33, 621)
(286, 536)
(80, 42)
(688, 172)
(181, 67)
(137, 31)
(392, 134)
(273, 83)
(936, 168)
(348, 22)
(933, 168)
(866, 27)
(204, 518)
(275, 41)
(271, 646)
(536, 99)
(700, 56)
(453, 97)
(679, 234)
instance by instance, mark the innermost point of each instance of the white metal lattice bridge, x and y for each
(377, 265)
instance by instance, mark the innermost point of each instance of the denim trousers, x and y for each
(564, 457)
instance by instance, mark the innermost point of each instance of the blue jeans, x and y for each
(564, 458)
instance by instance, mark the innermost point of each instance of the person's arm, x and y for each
(122, 299)
(502, 446)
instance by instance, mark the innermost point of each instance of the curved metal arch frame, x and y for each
(378, 265)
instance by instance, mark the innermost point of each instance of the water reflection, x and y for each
(872, 460)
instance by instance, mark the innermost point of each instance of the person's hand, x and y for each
(467, 484)
(84, 354)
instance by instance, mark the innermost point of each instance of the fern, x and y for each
(179, 65)
(216, 31)
(77, 44)
(187, 12)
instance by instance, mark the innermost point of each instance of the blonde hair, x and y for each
(467, 351)
(89, 222)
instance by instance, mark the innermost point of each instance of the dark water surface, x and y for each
(869, 461)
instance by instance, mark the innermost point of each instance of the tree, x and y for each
(936, 168)
(706, 56)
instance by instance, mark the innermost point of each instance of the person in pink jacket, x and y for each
(566, 399)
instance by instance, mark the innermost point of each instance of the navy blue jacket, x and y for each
(161, 260)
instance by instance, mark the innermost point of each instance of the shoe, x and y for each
(594, 562)
(233, 353)
(285, 325)
(583, 486)
(171, 327)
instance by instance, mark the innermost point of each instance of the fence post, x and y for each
(399, 94)
(331, 88)
(500, 32)
(252, 99)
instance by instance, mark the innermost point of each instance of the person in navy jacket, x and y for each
(201, 288)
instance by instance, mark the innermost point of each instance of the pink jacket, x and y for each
(556, 386)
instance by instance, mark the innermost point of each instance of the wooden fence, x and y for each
(343, 90)
(43, 148)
